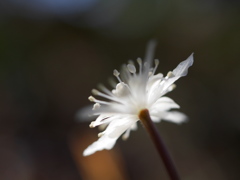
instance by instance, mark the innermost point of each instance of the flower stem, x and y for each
(156, 138)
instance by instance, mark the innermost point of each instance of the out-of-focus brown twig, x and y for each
(103, 165)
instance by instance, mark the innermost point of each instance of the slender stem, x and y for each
(156, 138)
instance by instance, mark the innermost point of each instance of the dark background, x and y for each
(53, 52)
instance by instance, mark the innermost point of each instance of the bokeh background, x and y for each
(53, 52)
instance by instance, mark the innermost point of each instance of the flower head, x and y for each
(136, 90)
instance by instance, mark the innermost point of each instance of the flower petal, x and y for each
(164, 104)
(175, 117)
(180, 71)
(155, 118)
(103, 119)
(182, 68)
(111, 134)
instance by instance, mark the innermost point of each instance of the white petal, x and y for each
(182, 68)
(175, 117)
(180, 71)
(153, 84)
(103, 119)
(111, 134)
(154, 91)
(126, 135)
(164, 104)
(134, 127)
(155, 118)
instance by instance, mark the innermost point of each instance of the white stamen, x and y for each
(131, 68)
(172, 87)
(96, 106)
(114, 91)
(104, 89)
(125, 72)
(91, 125)
(100, 134)
(130, 62)
(122, 89)
(139, 60)
(91, 98)
(156, 61)
(110, 97)
(170, 74)
(95, 92)
(116, 73)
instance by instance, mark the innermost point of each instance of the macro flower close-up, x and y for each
(93, 90)
(137, 89)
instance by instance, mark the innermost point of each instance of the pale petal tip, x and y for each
(190, 58)
(176, 117)
(182, 68)
(86, 152)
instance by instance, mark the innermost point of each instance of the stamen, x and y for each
(100, 134)
(131, 68)
(172, 87)
(114, 91)
(125, 73)
(96, 106)
(92, 99)
(104, 89)
(110, 97)
(116, 73)
(95, 92)
(170, 74)
(139, 60)
(91, 125)
(156, 61)
(130, 62)
(146, 67)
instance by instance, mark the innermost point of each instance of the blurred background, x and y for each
(53, 52)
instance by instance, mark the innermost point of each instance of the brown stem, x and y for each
(152, 130)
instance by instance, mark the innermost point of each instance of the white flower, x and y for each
(135, 91)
